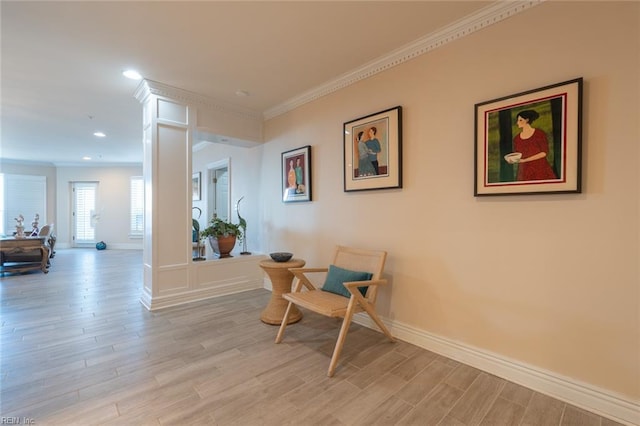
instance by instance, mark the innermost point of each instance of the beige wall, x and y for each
(550, 281)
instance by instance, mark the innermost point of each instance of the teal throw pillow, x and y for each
(337, 276)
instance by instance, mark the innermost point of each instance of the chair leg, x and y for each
(374, 316)
(344, 329)
(285, 319)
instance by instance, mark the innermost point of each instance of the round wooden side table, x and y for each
(281, 279)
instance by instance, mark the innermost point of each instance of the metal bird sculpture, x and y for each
(243, 224)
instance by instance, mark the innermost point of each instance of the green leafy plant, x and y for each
(220, 228)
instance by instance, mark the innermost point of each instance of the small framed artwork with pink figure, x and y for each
(296, 175)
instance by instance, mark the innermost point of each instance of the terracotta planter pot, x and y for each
(222, 246)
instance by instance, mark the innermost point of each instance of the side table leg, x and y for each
(274, 312)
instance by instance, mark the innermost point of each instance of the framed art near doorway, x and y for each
(296, 175)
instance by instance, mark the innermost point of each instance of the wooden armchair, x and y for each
(355, 273)
(23, 254)
(47, 231)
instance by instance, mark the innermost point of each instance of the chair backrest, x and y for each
(362, 260)
(45, 231)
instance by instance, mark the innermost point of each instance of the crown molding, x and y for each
(475, 22)
(20, 162)
(150, 87)
(95, 165)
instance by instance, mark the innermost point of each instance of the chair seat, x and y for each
(322, 302)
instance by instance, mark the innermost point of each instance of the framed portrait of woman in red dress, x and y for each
(530, 142)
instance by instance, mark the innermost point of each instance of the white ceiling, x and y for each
(62, 61)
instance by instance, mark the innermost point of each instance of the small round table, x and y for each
(281, 279)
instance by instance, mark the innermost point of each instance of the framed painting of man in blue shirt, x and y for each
(296, 175)
(373, 151)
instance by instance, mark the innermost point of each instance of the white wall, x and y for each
(112, 203)
(36, 169)
(549, 281)
(245, 165)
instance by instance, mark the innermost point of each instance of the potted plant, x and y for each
(222, 236)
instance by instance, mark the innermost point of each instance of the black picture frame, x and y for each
(296, 175)
(373, 160)
(546, 161)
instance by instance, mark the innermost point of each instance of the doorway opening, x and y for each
(218, 190)
(84, 216)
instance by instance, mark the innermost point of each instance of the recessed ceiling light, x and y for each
(86, 158)
(99, 134)
(132, 74)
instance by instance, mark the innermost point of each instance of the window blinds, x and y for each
(25, 195)
(137, 207)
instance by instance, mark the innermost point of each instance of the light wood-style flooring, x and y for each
(77, 347)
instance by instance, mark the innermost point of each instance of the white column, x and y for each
(171, 277)
(167, 177)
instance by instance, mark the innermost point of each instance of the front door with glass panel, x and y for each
(84, 214)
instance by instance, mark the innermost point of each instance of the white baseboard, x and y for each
(266, 284)
(125, 246)
(160, 302)
(115, 246)
(597, 400)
